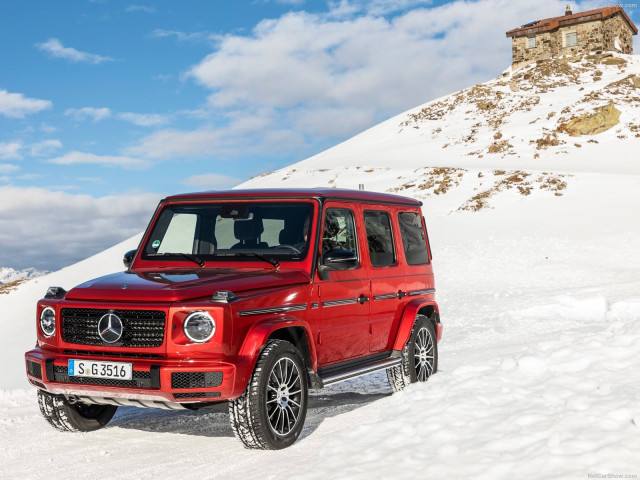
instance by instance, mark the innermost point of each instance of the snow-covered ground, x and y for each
(538, 279)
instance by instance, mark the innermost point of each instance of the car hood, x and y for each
(180, 285)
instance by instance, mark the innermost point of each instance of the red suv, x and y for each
(248, 297)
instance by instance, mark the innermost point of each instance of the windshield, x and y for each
(258, 231)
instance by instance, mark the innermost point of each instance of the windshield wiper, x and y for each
(271, 261)
(193, 258)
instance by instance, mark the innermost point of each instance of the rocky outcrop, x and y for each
(601, 120)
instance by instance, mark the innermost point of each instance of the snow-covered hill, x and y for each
(494, 136)
(535, 234)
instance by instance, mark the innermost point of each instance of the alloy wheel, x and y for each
(284, 396)
(423, 354)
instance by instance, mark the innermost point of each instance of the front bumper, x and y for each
(155, 382)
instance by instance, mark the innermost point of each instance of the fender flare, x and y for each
(408, 318)
(259, 333)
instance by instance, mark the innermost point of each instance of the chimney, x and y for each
(568, 10)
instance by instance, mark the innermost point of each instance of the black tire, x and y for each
(270, 414)
(419, 357)
(73, 417)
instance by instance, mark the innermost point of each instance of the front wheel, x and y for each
(419, 357)
(270, 414)
(73, 417)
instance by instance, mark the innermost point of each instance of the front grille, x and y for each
(182, 380)
(141, 328)
(140, 379)
(34, 369)
(196, 395)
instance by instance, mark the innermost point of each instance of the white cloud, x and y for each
(54, 47)
(212, 180)
(10, 150)
(140, 8)
(163, 77)
(48, 128)
(46, 147)
(16, 105)
(346, 8)
(172, 143)
(354, 71)
(246, 132)
(182, 36)
(144, 119)
(75, 158)
(200, 113)
(8, 168)
(51, 229)
(88, 113)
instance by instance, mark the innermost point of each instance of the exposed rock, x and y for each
(630, 80)
(602, 119)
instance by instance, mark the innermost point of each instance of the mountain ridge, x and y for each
(8, 274)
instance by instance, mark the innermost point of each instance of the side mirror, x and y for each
(128, 258)
(340, 259)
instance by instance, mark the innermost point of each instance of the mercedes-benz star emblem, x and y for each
(110, 328)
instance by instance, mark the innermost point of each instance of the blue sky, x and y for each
(107, 106)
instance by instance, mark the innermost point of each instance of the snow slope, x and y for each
(538, 279)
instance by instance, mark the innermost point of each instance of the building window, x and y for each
(531, 42)
(571, 39)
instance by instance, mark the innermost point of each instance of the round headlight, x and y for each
(199, 327)
(48, 321)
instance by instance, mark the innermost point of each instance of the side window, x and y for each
(413, 239)
(339, 231)
(380, 238)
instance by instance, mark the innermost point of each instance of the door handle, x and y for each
(362, 299)
(401, 294)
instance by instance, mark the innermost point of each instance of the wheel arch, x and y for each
(418, 306)
(289, 328)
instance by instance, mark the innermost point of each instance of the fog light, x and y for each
(48, 321)
(199, 327)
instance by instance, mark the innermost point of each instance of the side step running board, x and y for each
(363, 370)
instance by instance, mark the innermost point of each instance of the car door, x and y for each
(386, 273)
(342, 312)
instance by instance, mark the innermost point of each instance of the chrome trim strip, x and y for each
(286, 308)
(337, 303)
(426, 291)
(374, 367)
(385, 296)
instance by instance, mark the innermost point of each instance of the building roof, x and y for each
(549, 24)
(302, 193)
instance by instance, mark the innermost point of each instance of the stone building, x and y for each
(603, 29)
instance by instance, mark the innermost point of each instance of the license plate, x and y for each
(91, 369)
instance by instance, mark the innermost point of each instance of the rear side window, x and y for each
(380, 238)
(413, 238)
